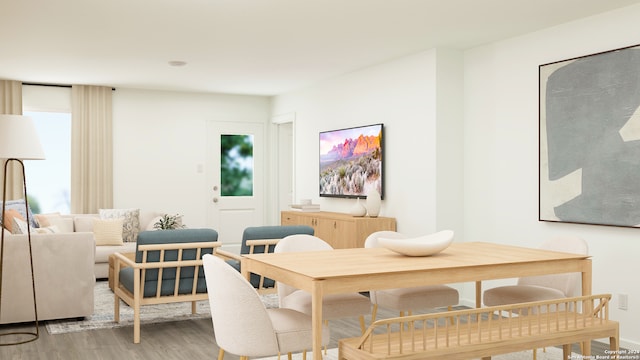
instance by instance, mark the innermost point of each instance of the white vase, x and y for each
(373, 203)
(358, 209)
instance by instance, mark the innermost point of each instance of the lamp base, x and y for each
(19, 337)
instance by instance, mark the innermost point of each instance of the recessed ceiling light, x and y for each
(177, 63)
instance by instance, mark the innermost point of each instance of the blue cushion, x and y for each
(169, 274)
(168, 285)
(271, 232)
(266, 232)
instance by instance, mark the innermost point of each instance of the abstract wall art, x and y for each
(590, 139)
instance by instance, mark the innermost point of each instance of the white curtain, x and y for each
(11, 103)
(91, 149)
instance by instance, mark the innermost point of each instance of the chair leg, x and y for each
(116, 308)
(289, 356)
(326, 323)
(136, 322)
(194, 307)
(304, 354)
(535, 354)
(221, 354)
(374, 312)
(362, 325)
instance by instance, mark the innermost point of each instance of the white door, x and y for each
(235, 177)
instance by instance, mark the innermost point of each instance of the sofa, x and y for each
(85, 223)
(133, 221)
(63, 265)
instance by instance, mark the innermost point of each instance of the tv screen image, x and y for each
(351, 161)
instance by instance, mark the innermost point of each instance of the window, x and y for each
(49, 180)
(236, 154)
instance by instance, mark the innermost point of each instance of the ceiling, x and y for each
(259, 47)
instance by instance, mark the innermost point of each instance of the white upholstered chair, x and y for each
(241, 323)
(408, 299)
(545, 287)
(334, 306)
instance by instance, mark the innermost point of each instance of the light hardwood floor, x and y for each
(189, 340)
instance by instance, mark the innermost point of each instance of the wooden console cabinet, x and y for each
(339, 230)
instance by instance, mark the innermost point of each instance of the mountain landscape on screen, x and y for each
(351, 161)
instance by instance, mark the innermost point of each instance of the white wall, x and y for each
(501, 151)
(159, 142)
(497, 145)
(402, 95)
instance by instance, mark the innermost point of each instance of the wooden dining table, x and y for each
(362, 269)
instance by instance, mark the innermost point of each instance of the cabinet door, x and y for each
(287, 218)
(292, 218)
(344, 234)
(338, 233)
(324, 229)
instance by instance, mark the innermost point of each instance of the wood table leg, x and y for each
(478, 294)
(316, 319)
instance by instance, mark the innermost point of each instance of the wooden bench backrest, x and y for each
(176, 264)
(483, 326)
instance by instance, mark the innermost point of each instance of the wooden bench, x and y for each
(484, 332)
(163, 273)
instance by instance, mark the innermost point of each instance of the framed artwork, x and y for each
(590, 139)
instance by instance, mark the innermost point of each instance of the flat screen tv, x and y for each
(351, 161)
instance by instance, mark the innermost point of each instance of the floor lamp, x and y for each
(18, 141)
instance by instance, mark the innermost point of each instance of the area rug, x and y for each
(102, 317)
(550, 353)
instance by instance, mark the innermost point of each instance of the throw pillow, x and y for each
(9, 222)
(53, 229)
(130, 224)
(19, 205)
(63, 224)
(44, 220)
(107, 231)
(19, 226)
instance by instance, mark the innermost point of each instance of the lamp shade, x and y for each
(19, 138)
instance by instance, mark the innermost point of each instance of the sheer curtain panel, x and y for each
(91, 149)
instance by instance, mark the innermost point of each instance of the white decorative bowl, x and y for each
(419, 246)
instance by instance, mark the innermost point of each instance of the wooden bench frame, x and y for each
(136, 299)
(482, 333)
(267, 243)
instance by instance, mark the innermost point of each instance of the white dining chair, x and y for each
(242, 324)
(334, 306)
(408, 299)
(544, 287)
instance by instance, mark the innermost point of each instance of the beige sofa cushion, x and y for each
(103, 252)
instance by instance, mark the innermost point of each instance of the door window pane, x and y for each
(236, 161)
